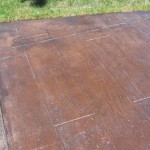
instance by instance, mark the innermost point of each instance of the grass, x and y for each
(11, 10)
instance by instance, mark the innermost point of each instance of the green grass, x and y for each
(11, 10)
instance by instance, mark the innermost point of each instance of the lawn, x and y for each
(25, 9)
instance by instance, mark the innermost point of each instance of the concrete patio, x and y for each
(76, 83)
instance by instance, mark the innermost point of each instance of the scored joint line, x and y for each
(32, 36)
(7, 57)
(56, 38)
(142, 99)
(101, 37)
(74, 119)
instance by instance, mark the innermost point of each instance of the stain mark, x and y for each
(45, 146)
(17, 30)
(3, 89)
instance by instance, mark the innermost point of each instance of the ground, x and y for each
(76, 83)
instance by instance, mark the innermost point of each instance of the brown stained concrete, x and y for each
(76, 83)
